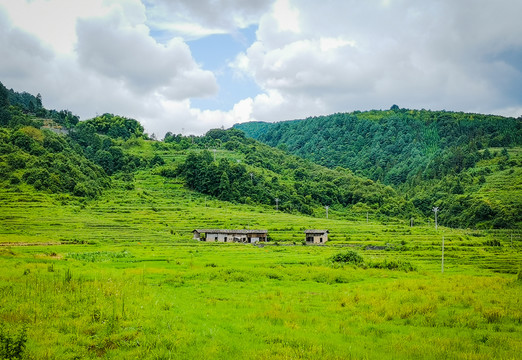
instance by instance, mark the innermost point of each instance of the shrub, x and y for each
(393, 265)
(168, 172)
(12, 346)
(17, 160)
(347, 257)
(494, 242)
(157, 160)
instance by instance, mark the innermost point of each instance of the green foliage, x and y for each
(49, 162)
(354, 258)
(181, 141)
(4, 96)
(175, 297)
(64, 118)
(432, 157)
(347, 257)
(392, 146)
(100, 256)
(115, 126)
(401, 265)
(12, 346)
(493, 242)
(269, 173)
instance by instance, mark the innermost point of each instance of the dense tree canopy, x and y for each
(269, 173)
(115, 126)
(433, 157)
(397, 163)
(48, 162)
(395, 146)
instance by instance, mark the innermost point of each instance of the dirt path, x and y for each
(29, 244)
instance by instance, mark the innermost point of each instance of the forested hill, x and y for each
(80, 159)
(394, 146)
(469, 165)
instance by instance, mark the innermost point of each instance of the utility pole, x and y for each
(442, 269)
(252, 177)
(326, 207)
(277, 204)
(367, 217)
(435, 210)
(411, 222)
(214, 155)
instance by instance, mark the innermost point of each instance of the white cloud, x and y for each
(327, 44)
(103, 59)
(53, 22)
(131, 57)
(192, 19)
(287, 17)
(122, 51)
(359, 55)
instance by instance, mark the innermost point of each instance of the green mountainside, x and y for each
(402, 162)
(81, 161)
(435, 158)
(99, 262)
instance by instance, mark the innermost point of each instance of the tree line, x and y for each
(266, 174)
(434, 158)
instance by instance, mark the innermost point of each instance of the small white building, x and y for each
(225, 235)
(316, 236)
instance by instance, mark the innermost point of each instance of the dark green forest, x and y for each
(266, 174)
(435, 158)
(77, 162)
(396, 163)
(396, 146)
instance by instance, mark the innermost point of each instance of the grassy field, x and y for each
(120, 277)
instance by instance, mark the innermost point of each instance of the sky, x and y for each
(187, 66)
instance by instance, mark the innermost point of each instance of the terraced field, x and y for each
(121, 277)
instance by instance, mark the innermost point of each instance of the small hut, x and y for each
(316, 236)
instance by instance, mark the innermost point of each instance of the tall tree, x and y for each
(4, 96)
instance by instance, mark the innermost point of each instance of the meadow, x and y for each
(120, 277)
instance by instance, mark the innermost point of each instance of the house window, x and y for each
(321, 240)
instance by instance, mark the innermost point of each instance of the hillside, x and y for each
(81, 162)
(435, 158)
(98, 259)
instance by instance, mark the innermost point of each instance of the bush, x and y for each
(17, 160)
(87, 189)
(12, 346)
(347, 257)
(393, 265)
(493, 242)
(168, 172)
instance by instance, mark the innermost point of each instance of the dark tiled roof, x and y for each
(312, 231)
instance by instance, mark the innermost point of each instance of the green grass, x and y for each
(120, 277)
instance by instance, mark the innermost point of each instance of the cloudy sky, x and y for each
(187, 66)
